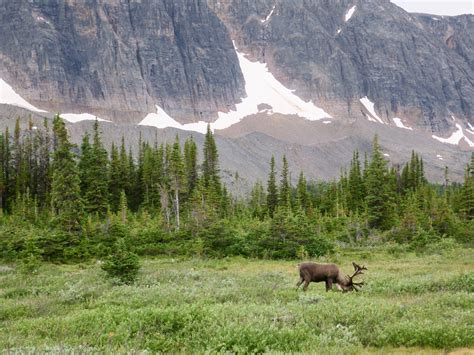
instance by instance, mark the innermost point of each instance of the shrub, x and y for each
(288, 232)
(122, 265)
(421, 240)
(442, 246)
(30, 258)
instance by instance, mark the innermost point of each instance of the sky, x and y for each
(438, 7)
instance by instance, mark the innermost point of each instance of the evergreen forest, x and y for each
(63, 203)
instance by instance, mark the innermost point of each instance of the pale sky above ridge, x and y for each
(437, 7)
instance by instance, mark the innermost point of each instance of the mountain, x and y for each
(312, 79)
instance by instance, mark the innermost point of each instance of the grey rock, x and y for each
(118, 58)
(395, 58)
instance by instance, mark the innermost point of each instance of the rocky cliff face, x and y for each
(416, 67)
(119, 58)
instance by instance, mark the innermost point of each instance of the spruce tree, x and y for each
(84, 163)
(17, 157)
(65, 190)
(123, 206)
(284, 196)
(190, 164)
(177, 178)
(44, 165)
(379, 203)
(225, 203)
(2, 173)
(257, 201)
(7, 171)
(467, 196)
(133, 183)
(355, 185)
(210, 166)
(302, 192)
(124, 174)
(116, 184)
(96, 196)
(272, 191)
(157, 176)
(146, 168)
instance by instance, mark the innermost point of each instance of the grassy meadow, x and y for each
(410, 304)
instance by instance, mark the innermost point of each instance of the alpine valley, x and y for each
(312, 79)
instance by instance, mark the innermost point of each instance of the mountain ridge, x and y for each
(338, 64)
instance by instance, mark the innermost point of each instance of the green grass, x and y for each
(409, 304)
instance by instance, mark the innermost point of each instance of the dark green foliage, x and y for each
(356, 188)
(272, 191)
(177, 178)
(284, 193)
(291, 231)
(210, 166)
(116, 185)
(302, 197)
(30, 258)
(257, 203)
(84, 163)
(190, 164)
(95, 175)
(122, 264)
(162, 203)
(379, 198)
(65, 188)
(466, 199)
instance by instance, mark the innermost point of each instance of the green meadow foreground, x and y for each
(410, 303)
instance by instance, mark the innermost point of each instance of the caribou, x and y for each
(330, 274)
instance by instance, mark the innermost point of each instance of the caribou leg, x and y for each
(298, 284)
(328, 284)
(306, 283)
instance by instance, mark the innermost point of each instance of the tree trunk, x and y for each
(176, 194)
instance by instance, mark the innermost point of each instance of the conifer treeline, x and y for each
(46, 180)
(41, 172)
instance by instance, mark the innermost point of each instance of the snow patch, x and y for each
(370, 106)
(387, 155)
(339, 31)
(161, 120)
(350, 12)
(269, 15)
(456, 137)
(326, 122)
(8, 96)
(77, 117)
(261, 88)
(471, 128)
(42, 19)
(399, 124)
(439, 157)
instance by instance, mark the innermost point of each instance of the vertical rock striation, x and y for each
(118, 58)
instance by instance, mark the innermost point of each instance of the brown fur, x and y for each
(330, 274)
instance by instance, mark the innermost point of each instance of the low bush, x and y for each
(122, 265)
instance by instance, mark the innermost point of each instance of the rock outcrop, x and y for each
(120, 58)
(367, 66)
(335, 52)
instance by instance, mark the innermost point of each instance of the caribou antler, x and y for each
(357, 267)
(358, 270)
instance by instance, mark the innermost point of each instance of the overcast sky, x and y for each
(438, 7)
